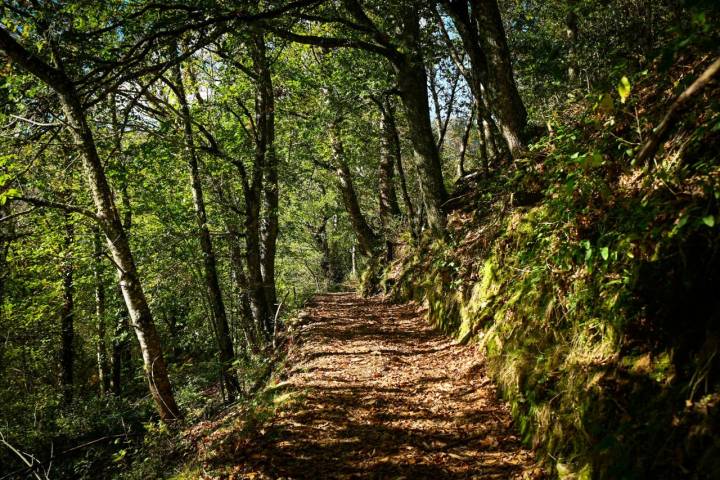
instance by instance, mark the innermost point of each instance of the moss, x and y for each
(558, 324)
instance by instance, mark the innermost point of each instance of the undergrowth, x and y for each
(591, 283)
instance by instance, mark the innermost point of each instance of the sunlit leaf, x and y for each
(624, 89)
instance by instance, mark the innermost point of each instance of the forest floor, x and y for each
(377, 393)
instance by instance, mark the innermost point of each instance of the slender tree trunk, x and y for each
(442, 123)
(265, 122)
(571, 33)
(486, 131)
(67, 353)
(389, 207)
(119, 349)
(464, 144)
(367, 240)
(101, 347)
(226, 353)
(258, 301)
(353, 260)
(119, 247)
(397, 154)
(240, 281)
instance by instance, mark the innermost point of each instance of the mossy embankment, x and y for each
(592, 284)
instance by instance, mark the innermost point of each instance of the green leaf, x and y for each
(604, 253)
(117, 457)
(709, 220)
(606, 104)
(624, 89)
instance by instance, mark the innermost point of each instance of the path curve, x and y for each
(381, 395)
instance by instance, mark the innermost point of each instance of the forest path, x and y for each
(381, 395)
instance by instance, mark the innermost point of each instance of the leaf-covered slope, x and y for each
(591, 283)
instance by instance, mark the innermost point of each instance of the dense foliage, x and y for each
(178, 178)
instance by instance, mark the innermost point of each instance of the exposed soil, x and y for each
(381, 395)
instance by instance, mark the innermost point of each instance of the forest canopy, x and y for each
(178, 178)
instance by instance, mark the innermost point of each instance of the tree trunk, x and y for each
(571, 33)
(102, 361)
(109, 221)
(464, 145)
(119, 247)
(397, 154)
(367, 240)
(67, 352)
(226, 352)
(412, 80)
(265, 123)
(258, 301)
(485, 129)
(479, 25)
(389, 208)
(119, 349)
(504, 95)
(241, 288)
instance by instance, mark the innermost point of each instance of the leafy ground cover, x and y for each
(372, 391)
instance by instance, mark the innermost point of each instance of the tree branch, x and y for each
(41, 202)
(653, 143)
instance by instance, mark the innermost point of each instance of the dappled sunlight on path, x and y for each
(380, 395)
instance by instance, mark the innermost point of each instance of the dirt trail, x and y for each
(381, 395)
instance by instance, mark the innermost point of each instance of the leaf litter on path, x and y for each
(384, 396)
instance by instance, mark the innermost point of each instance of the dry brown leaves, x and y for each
(383, 396)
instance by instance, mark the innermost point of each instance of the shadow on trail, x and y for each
(381, 395)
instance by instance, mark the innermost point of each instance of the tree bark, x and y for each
(67, 352)
(101, 347)
(226, 353)
(509, 107)
(571, 33)
(240, 281)
(397, 154)
(367, 240)
(389, 207)
(265, 124)
(389, 146)
(464, 145)
(258, 301)
(108, 220)
(411, 79)
(481, 31)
